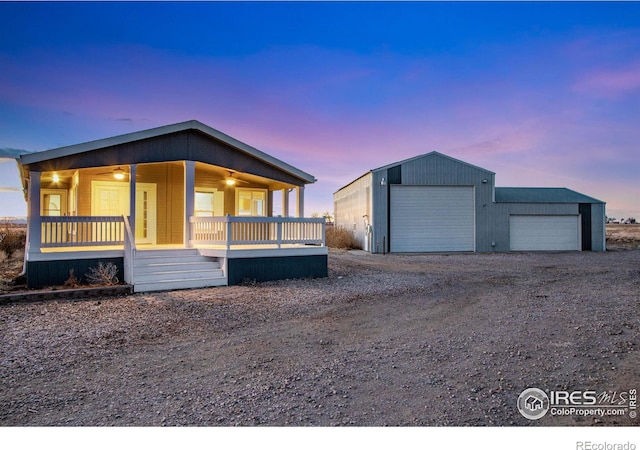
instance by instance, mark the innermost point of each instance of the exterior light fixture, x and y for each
(230, 181)
(383, 182)
(485, 181)
(56, 178)
(118, 174)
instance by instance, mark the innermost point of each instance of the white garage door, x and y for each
(432, 219)
(544, 232)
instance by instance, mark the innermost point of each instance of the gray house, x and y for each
(435, 203)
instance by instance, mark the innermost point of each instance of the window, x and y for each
(53, 202)
(252, 202)
(209, 202)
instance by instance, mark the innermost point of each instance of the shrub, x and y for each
(11, 239)
(104, 274)
(340, 237)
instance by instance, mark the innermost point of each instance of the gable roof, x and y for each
(541, 195)
(85, 147)
(414, 158)
(426, 155)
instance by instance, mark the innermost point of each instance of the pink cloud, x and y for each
(610, 83)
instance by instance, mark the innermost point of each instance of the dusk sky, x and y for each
(542, 94)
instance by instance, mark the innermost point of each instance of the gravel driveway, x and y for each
(385, 340)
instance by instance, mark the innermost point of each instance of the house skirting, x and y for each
(271, 268)
(42, 274)
(251, 263)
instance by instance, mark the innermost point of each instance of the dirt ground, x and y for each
(408, 340)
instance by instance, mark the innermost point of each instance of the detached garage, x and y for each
(435, 203)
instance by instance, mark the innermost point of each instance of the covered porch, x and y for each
(226, 200)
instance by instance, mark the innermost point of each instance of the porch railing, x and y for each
(76, 231)
(232, 230)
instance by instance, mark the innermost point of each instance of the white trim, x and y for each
(301, 250)
(61, 254)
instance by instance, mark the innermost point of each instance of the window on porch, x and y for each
(251, 202)
(209, 202)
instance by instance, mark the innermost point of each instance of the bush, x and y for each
(104, 275)
(340, 237)
(12, 238)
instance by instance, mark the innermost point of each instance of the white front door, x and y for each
(111, 198)
(146, 207)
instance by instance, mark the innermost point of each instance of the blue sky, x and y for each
(543, 94)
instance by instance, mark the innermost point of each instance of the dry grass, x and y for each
(12, 238)
(340, 237)
(623, 235)
(12, 244)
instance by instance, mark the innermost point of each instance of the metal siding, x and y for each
(544, 232)
(598, 227)
(585, 219)
(351, 203)
(380, 212)
(432, 218)
(439, 170)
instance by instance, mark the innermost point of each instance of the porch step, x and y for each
(160, 270)
(170, 285)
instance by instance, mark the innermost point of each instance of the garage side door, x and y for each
(544, 232)
(432, 218)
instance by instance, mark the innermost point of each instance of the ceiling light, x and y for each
(56, 178)
(118, 174)
(230, 181)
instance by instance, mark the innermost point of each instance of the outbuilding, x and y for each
(435, 203)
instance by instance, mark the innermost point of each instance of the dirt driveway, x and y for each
(385, 340)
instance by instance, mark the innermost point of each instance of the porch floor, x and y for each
(143, 247)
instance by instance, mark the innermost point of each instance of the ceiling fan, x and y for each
(232, 179)
(117, 173)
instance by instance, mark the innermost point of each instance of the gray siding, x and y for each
(350, 204)
(598, 227)
(491, 218)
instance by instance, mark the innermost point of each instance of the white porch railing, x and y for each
(232, 230)
(76, 231)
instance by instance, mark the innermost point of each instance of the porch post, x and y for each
(300, 201)
(285, 202)
(189, 198)
(35, 224)
(270, 203)
(132, 199)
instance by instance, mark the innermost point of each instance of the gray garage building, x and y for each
(435, 203)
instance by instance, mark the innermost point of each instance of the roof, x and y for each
(434, 153)
(541, 195)
(388, 166)
(60, 152)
